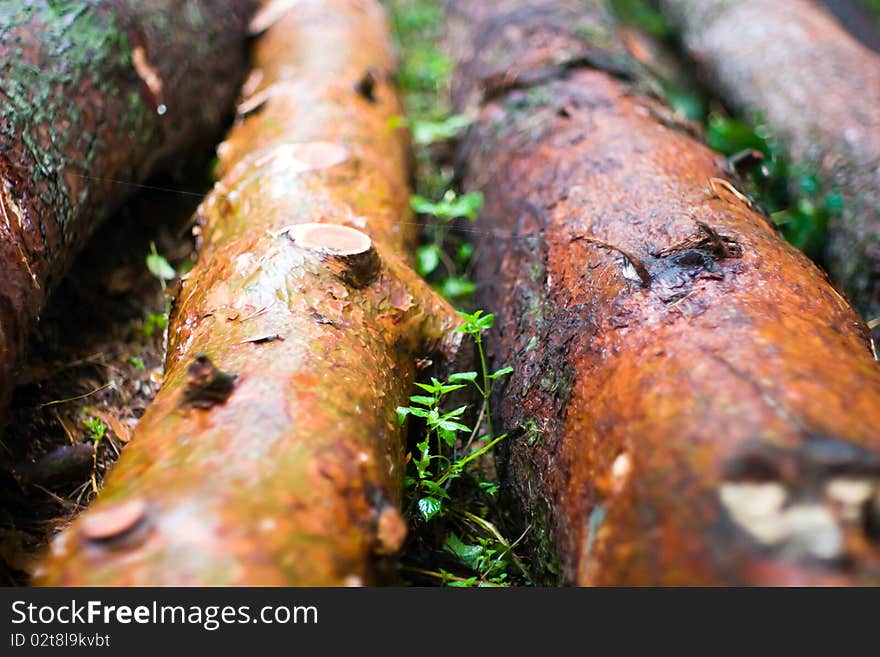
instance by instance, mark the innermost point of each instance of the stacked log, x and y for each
(272, 454)
(693, 402)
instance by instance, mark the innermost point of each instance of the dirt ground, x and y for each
(95, 359)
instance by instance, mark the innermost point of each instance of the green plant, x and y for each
(138, 362)
(429, 256)
(424, 80)
(96, 428)
(154, 321)
(431, 131)
(450, 484)
(448, 450)
(159, 267)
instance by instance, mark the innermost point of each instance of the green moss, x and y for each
(544, 557)
(533, 434)
(85, 48)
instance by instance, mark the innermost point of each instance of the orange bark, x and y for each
(272, 454)
(693, 402)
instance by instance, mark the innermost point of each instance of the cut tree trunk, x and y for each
(693, 403)
(272, 454)
(94, 97)
(819, 91)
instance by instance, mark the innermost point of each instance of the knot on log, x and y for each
(119, 526)
(348, 253)
(206, 385)
(366, 86)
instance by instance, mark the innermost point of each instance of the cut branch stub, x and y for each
(116, 522)
(347, 252)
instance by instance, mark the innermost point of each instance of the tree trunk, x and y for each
(819, 91)
(272, 455)
(693, 403)
(96, 96)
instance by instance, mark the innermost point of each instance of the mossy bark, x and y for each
(819, 91)
(690, 394)
(96, 96)
(272, 455)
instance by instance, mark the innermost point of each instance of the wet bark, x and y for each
(272, 455)
(95, 96)
(819, 90)
(693, 402)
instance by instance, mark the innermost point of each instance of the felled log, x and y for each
(272, 454)
(692, 401)
(95, 96)
(818, 89)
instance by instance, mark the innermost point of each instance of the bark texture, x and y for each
(272, 454)
(693, 402)
(93, 96)
(819, 90)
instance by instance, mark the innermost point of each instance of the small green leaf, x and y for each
(446, 435)
(489, 487)
(422, 205)
(421, 399)
(429, 132)
(158, 266)
(96, 428)
(448, 425)
(435, 489)
(154, 321)
(427, 258)
(451, 206)
(430, 507)
(456, 287)
(486, 321)
(502, 372)
(463, 376)
(467, 554)
(456, 412)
